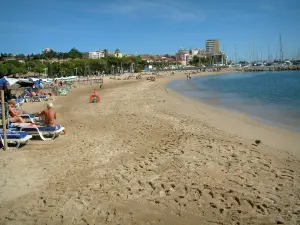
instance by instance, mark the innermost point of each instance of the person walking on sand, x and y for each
(49, 115)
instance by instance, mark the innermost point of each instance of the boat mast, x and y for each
(269, 58)
(235, 49)
(281, 51)
(253, 52)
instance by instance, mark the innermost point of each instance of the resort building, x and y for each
(202, 53)
(212, 47)
(194, 51)
(183, 56)
(118, 54)
(96, 55)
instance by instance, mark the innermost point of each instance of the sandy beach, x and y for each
(147, 155)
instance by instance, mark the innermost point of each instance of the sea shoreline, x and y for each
(261, 130)
(181, 81)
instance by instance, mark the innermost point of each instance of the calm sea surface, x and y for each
(272, 97)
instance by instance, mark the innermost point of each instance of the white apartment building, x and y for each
(96, 55)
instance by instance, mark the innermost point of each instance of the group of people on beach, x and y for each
(48, 115)
(188, 76)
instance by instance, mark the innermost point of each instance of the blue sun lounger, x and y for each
(36, 98)
(16, 137)
(44, 132)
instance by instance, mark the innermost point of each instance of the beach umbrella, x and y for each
(13, 83)
(36, 82)
(4, 82)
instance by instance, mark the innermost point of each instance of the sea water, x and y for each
(271, 97)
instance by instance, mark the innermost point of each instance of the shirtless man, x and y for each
(49, 115)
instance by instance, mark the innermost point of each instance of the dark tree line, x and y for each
(75, 65)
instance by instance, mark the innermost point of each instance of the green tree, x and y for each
(3, 70)
(14, 62)
(105, 52)
(20, 57)
(38, 67)
(16, 70)
(9, 67)
(50, 70)
(74, 54)
(49, 55)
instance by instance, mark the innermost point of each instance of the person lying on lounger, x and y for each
(49, 115)
(13, 113)
(13, 105)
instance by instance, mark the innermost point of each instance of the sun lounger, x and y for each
(41, 131)
(44, 97)
(16, 137)
(19, 101)
(33, 99)
(30, 118)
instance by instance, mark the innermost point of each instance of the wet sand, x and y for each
(146, 155)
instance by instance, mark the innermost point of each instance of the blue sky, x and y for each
(154, 26)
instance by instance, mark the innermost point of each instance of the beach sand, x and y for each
(146, 155)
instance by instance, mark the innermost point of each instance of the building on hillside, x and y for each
(55, 60)
(183, 56)
(118, 54)
(194, 51)
(95, 55)
(85, 55)
(147, 57)
(212, 47)
(46, 50)
(202, 53)
(219, 59)
(10, 58)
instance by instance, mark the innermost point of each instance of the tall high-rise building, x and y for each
(212, 46)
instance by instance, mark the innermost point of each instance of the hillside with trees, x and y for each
(57, 64)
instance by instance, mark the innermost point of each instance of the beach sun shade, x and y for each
(3, 82)
(36, 82)
(13, 83)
